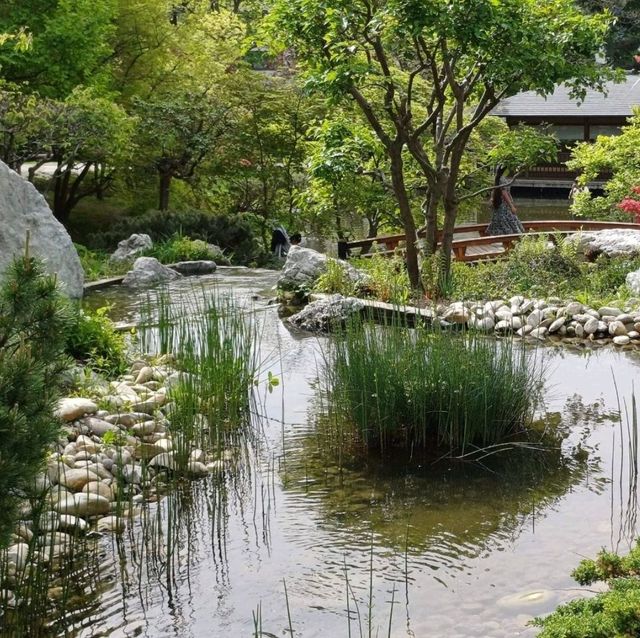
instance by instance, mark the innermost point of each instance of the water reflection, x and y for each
(461, 551)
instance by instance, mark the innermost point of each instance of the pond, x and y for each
(456, 550)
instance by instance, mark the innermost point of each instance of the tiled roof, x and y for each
(619, 100)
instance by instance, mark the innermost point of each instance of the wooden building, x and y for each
(571, 121)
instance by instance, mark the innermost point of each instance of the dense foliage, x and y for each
(429, 390)
(33, 326)
(613, 613)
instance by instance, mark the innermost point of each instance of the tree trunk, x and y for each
(430, 209)
(164, 190)
(408, 223)
(450, 214)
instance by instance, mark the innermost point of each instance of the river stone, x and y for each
(591, 326)
(633, 334)
(128, 419)
(609, 311)
(486, 324)
(132, 247)
(76, 479)
(616, 328)
(72, 524)
(99, 487)
(83, 505)
(111, 525)
(24, 210)
(196, 469)
(86, 444)
(574, 308)
(303, 267)
(164, 460)
(503, 327)
(70, 409)
(538, 333)
(603, 326)
(621, 340)
(148, 271)
(326, 313)
(625, 318)
(525, 330)
(17, 554)
(99, 427)
(556, 325)
(534, 318)
(200, 267)
(457, 313)
(579, 330)
(150, 405)
(144, 428)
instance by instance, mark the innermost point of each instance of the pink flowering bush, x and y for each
(631, 205)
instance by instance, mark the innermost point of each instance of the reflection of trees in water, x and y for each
(407, 504)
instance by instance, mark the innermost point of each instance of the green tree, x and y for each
(71, 44)
(425, 74)
(617, 156)
(33, 324)
(624, 37)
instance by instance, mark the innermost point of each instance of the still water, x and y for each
(434, 551)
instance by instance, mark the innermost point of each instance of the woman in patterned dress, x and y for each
(503, 218)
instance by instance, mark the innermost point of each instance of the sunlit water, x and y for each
(460, 551)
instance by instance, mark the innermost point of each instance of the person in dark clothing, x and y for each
(279, 242)
(295, 239)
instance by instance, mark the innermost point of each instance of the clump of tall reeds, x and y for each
(429, 389)
(215, 349)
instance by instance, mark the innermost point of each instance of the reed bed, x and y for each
(392, 386)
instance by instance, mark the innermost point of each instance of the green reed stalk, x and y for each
(430, 389)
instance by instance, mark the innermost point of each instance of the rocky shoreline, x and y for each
(116, 451)
(534, 319)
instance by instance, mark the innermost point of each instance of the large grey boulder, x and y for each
(613, 242)
(303, 267)
(327, 313)
(23, 209)
(633, 282)
(148, 271)
(132, 247)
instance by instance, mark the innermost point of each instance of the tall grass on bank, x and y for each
(421, 388)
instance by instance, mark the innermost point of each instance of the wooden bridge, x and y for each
(470, 244)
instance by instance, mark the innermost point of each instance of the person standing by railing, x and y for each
(504, 220)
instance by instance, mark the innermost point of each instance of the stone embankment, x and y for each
(116, 451)
(536, 319)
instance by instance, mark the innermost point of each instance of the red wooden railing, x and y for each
(483, 247)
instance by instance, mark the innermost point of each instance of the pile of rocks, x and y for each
(108, 462)
(541, 319)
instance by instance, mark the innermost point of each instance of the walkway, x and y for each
(471, 245)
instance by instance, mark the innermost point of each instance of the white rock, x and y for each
(164, 460)
(145, 374)
(503, 326)
(148, 271)
(111, 525)
(611, 242)
(99, 487)
(76, 479)
(538, 333)
(621, 340)
(556, 325)
(71, 524)
(17, 554)
(131, 247)
(324, 314)
(574, 308)
(534, 318)
(609, 311)
(591, 326)
(197, 469)
(616, 328)
(579, 330)
(23, 209)
(83, 505)
(304, 266)
(70, 409)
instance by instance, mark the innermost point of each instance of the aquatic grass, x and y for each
(392, 386)
(214, 346)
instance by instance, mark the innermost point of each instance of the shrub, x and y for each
(429, 389)
(335, 280)
(33, 324)
(610, 614)
(181, 248)
(389, 280)
(96, 264)
(233, 233)
(93, 339)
